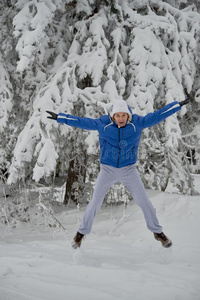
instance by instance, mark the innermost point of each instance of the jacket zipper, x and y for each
(119, 148)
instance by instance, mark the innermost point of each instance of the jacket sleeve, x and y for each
(156, 117)
(79, 122)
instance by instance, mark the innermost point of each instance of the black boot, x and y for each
(163, 239)
(77, 240)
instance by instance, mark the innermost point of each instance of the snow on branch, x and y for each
(162, 56)
(91, 59)
(6, 96)
(34, 144)
(116, 72)
(29, 28)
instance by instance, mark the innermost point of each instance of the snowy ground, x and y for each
(119, 260)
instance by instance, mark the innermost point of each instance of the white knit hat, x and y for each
(120, 106)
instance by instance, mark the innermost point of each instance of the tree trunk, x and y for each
(75, 181)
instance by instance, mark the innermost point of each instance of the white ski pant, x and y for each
(130, 178)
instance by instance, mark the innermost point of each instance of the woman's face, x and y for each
(120, 118)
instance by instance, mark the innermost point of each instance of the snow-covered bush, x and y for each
(37, 205)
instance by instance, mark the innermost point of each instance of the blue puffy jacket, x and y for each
(119, 146)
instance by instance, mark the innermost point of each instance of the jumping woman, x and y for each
(119, 137)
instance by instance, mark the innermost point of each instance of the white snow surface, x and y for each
(120, 259)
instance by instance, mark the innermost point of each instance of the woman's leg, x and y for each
(131, 179)
(104, 181)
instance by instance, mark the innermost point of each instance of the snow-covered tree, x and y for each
(164, 67)
(7, 92)
(78, 57)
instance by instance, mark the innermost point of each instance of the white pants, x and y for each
(130, 178)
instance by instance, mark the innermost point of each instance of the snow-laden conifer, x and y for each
(142, 51)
